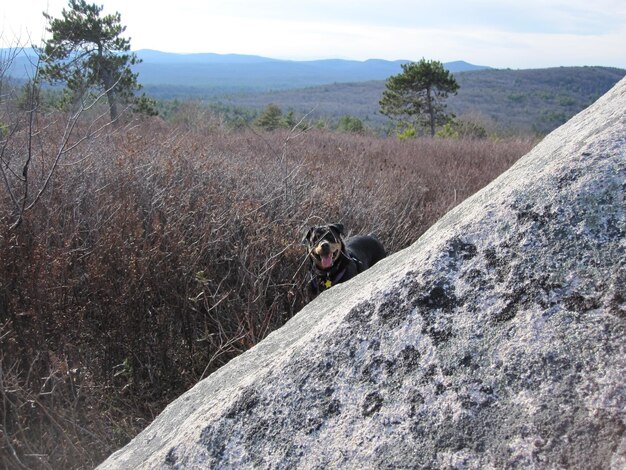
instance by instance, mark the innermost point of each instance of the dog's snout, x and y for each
(325, 246)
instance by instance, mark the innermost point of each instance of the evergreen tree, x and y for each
(350, 124)
(86, 51)
(271, 118)
(417, 94)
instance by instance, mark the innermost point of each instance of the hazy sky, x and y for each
(498, 33)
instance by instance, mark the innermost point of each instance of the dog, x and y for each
(335, 260)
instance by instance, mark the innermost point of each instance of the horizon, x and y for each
(498, 34)
(226, 54)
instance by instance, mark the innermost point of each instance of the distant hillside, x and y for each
(152, 56)
(517, 100)
(169, 75)
(539, 100)
(535, 101)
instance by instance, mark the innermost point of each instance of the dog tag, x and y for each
(327, 284)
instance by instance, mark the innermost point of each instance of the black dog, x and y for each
(335, 260)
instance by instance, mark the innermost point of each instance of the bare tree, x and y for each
(25, 123)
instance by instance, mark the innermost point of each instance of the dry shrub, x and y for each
(163, 251)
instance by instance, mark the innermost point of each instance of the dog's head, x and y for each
(324, 244)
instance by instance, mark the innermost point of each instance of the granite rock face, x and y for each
(496, 340)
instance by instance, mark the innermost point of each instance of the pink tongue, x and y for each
(327, 261)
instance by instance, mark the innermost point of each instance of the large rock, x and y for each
(496, 340)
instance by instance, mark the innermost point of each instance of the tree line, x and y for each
(88, 54)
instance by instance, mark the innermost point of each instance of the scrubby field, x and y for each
(159, 251)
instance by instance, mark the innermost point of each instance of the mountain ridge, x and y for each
(239, 71)
(153, 55)
(257, 73)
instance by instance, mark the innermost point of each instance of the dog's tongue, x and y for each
(327, 261)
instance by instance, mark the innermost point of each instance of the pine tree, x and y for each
(271, 118)
(86, 52)
(417, 94)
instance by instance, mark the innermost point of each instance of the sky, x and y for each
(498, 33)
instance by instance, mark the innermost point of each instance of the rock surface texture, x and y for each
(496, 341)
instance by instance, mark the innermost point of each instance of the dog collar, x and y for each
(340, 275)
(321, 283)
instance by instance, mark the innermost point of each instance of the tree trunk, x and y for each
(431, 111)
(109, 85)
(112, 104)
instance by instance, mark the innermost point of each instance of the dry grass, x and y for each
(159, 252)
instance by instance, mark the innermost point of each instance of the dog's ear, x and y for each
(307, 237)
(337, 227)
